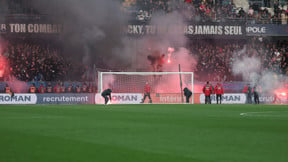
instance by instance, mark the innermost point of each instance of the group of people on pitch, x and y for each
(147, 89)
(249, 91)
(208, 90)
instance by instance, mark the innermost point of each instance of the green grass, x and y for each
(144, 133)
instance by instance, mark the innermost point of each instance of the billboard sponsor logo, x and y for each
(15, 98)
(267, 99)
(18, 99)
(125, 98)
(229, 98)
(166, 98)
(66, 99)
(121, 98)
(256, 29)
(69, 98)
(170, 99)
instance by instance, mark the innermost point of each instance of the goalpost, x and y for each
(165, 86)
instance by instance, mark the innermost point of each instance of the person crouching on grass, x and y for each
(105, 95)
(187, 94)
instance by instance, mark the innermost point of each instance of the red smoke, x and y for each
(17, 85)
(3, 65)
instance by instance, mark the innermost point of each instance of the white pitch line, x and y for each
(261, 112)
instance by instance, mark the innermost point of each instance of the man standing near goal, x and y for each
(105, 95)
(147, 90)
(207, 90)
(219, 92)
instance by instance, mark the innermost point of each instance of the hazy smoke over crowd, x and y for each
(92, 30)
(251, 70)
(248, 67)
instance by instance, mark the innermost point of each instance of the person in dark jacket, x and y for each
(249, 94)
(256, 95)
(187, 94)
(105, 95)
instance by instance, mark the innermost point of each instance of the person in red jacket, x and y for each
(207, 90)
(219, 92)
(57, 89)
(147, 90)
(41, 89)
(245, 89)
(49, 88)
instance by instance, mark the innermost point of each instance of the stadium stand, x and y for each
(31, 60)
(212, 10)
(216, 58)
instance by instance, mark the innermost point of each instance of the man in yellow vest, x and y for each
(8, 90)
(32, 88)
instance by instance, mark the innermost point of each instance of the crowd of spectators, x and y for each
(34, 61)
(49, 87)
(196, 10)
(210, 10)
(215, 59)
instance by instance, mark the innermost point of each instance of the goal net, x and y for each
(128, 87)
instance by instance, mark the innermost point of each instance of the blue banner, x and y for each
(267, 30)
(66, 98)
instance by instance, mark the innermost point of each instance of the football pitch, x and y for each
(144, 133)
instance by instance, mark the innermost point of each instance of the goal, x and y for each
(166, 87)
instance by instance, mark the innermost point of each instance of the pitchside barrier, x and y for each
(170, 98)
(126, 98)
